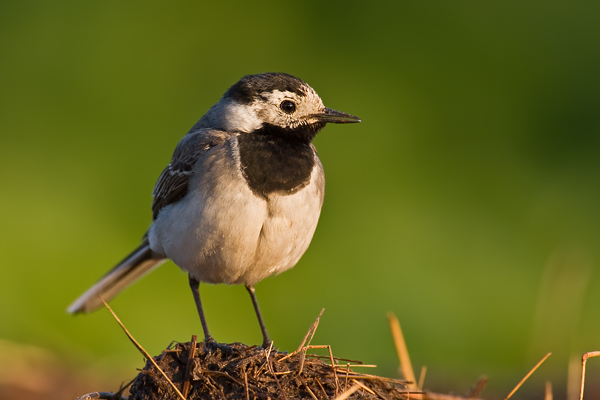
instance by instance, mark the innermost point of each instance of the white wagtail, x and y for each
(241, 197)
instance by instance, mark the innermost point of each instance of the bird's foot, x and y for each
(210, 343)
(267, 343)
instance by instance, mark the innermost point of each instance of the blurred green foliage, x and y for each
(467, 202)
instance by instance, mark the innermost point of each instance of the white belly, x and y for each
(221, 232)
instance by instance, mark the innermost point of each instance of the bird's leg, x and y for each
(195, 285)
(266, 340)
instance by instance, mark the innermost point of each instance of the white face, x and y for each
(268, 108)
(273, 112)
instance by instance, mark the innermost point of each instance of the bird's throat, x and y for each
(275, 163)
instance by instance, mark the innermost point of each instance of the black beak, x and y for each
(336, 117)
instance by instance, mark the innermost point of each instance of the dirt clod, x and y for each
(238, 371)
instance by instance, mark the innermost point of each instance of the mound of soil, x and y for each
(238, 371)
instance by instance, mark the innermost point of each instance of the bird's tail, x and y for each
(133, 267)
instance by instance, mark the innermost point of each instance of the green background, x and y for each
(467, 201)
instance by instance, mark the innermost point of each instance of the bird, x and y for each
(241, 197)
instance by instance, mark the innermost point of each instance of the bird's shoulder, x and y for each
(173, 182)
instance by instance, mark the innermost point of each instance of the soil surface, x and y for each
(238, 371)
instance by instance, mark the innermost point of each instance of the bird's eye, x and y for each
(288, 106)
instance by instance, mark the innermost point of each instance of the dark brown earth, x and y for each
(238, 371)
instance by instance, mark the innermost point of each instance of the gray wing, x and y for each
(172, 184)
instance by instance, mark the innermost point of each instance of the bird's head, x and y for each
(274, 103)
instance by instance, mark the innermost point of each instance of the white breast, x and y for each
(221, 232)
